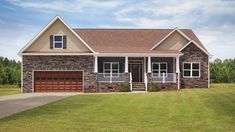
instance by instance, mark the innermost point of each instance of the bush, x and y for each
(154, 87)
(125, 87)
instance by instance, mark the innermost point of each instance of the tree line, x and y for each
(9, 71)
(220, 71)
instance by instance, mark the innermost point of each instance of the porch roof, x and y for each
(129, 40)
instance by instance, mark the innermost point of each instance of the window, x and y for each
(111, 68)
(58, 41)
(158, 68)
(191, 69)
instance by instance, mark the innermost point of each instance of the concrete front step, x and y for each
(138, 87)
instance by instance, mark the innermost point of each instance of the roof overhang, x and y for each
(108, 54)
(53, 54)
(45, 28)
(139, 54)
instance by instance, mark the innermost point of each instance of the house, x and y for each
(63, 59)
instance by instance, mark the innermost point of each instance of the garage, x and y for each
(58, 81)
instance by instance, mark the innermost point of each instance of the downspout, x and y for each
(21, 76)
(178, 72)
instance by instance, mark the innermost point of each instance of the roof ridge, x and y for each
(128, 29)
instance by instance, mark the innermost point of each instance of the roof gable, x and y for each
(196, 44)
(168, 35)
(174, 42)
(53, 21)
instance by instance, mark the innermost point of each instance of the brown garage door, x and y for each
(58, 81)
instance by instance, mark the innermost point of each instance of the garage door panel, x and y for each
(58, 81)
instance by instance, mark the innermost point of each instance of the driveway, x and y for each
(12, 104)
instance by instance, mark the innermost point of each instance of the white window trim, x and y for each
(111, 69)
(191, 70)
(62, 42)
(159, 68)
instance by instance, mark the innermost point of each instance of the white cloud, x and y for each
(211, 20)
(220, 41)
(67, 6)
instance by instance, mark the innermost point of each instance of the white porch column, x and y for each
(149, 64)
(96, 65)
(144, 64)
(177, 65)
(178, 71)
(126, 64)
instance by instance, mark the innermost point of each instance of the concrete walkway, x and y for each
(12, 104)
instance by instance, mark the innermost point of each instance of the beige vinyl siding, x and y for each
(174, 42)
(42, 44)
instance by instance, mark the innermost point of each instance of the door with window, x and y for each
(136, 69)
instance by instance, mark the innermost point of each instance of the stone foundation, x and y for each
(109, 87)
(167, 85)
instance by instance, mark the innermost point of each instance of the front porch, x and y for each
(139, 72)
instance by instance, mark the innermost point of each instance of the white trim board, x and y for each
(45, 28)
(139, 54)
(57, 53)
(168, 35)
(21, 76)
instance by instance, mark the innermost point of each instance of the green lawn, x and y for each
(9, 89)
(186, 110)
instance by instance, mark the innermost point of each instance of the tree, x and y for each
(9, 71)
(222, 71)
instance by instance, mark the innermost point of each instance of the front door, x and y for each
(136, 71)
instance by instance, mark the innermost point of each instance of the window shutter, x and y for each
(51, 41)
(64, 42)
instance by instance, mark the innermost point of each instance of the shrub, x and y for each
(125, 87)
(154, 87)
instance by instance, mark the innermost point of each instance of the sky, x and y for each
(213, 21)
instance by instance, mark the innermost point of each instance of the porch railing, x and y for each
(164, 77)
(111, 77)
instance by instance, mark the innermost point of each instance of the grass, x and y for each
(9, 89)
(186, 110)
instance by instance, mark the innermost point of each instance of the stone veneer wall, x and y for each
(193, 54)
(109, 87)
(84, 63)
